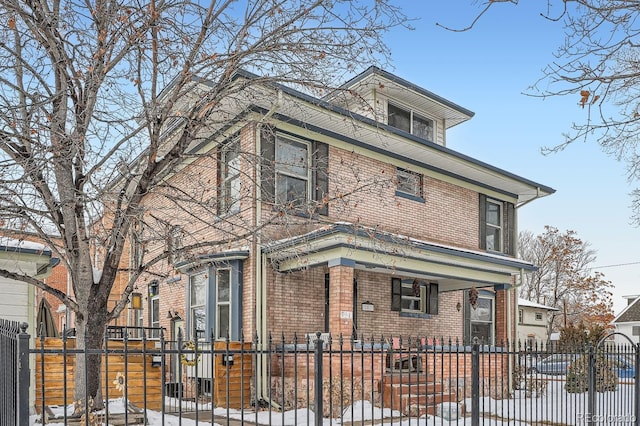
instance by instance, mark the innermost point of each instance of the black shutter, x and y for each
(396, 294)
(433, 299)
(320, 160)
(483, 221)
(268, 152)
(510, 238)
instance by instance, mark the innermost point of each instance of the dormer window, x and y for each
(410, 122)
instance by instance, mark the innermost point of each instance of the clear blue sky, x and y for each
(486, 70)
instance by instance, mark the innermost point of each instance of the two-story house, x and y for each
(343, 214)
(533, 322)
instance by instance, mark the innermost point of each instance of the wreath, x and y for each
(184, 360)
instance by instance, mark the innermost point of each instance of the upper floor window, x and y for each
(409, 183)
(410, 122)
(520, 316)
(538, 316)
(292, 171)
(229, 189)
(493, 225)
(414, 296)
(497, 225)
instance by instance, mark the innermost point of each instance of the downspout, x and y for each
(260, 259)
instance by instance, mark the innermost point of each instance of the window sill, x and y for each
(415, 315)
(409, 197)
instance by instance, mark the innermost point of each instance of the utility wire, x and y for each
(616, 265)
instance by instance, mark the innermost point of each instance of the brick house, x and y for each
(359, 219)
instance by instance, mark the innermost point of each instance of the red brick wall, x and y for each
(296, 305)
(364, 192)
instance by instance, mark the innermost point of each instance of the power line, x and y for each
(616, 265)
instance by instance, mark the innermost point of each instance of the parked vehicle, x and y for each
(623, 366)
(553, 364)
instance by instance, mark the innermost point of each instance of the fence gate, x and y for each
(599, 412)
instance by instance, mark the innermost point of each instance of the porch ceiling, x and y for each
(453, 268)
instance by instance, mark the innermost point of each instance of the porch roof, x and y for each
(369, 249)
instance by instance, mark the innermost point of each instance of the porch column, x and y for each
(341, 273)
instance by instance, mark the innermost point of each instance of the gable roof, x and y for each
(631, 313)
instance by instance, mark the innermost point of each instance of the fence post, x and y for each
(317, 384)
(591, 396)
(475, 384)
(24, 374)
(636, 385)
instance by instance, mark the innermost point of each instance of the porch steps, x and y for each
(413, 394)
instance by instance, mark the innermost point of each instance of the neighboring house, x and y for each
(627, 322)
(533, 322)
(369, 224)
(17, 298)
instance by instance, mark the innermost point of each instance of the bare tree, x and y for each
(564, 279)
(88, 87)
(598, 66)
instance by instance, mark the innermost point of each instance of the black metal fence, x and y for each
(14, 373)
(314, 378)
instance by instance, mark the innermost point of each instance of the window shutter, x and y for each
(510, 238)
(320, 160)
(396, 294)
(433, 299)
(268, 152)
(483, 221)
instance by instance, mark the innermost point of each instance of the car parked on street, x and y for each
(553, 364)
(622, 365)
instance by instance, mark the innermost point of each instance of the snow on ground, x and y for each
(555, 406)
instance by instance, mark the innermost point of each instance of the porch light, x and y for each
(136, 301)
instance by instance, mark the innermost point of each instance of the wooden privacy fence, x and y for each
(141, 375)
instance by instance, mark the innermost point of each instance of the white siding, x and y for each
(16, 301)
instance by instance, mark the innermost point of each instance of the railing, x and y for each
(368, 380)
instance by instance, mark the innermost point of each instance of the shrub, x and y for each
(578, 375)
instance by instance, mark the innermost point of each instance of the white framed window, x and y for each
(198, 286)
(292, 180)
(409, 183)
(482, 319)
(493, 211)
(539, 316)
(413, 296)
(154, 309)
(223, 303)
(229, 193)
(407, 120)
(520, 316)
(154, 317)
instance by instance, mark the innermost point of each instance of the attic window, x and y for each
(410, 122)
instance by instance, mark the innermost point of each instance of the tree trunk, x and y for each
(88, 378)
